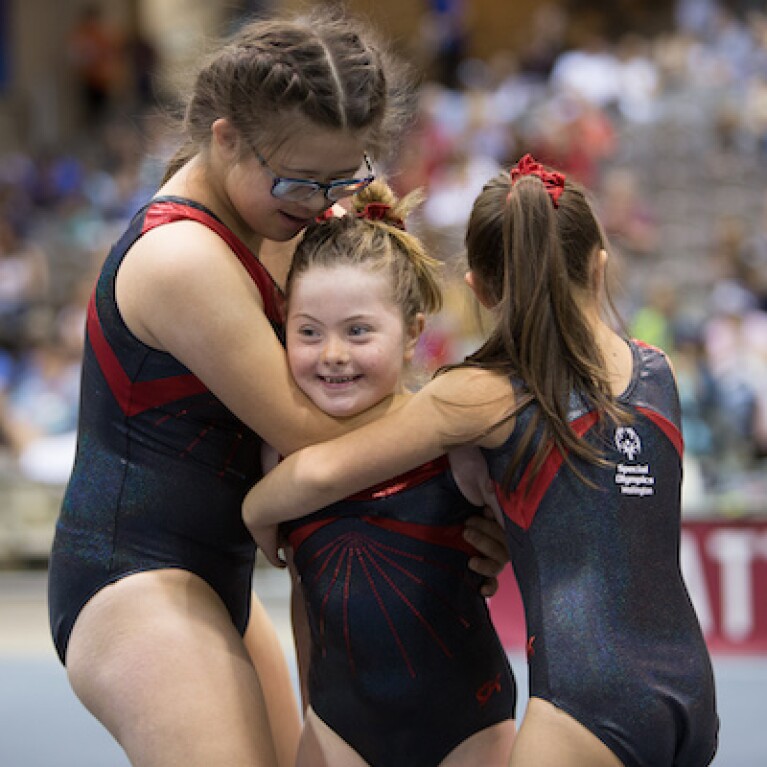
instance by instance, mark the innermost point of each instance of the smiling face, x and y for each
(347, 342)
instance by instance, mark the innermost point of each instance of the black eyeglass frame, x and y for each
(345, 186)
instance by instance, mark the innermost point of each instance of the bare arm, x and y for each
(182, 290)
(455, 408)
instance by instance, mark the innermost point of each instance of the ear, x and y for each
(473, 282)
(225, 138)
(413, 333)
(600, 265)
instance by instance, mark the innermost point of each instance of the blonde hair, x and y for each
(379, 243)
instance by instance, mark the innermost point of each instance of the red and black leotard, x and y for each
(162, 466)
(405, 662)
(613, 639)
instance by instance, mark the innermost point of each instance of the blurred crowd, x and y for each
(669, 132)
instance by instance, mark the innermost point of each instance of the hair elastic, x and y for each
(379, 211)
(552, 180)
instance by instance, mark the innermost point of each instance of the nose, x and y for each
(335, 352)
(318, 202)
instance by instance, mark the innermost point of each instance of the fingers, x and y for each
(489, 587)
(267, 540)
(487, 536)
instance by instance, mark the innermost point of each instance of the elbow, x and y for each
(251, 510)
(316, 479)
(301, 484)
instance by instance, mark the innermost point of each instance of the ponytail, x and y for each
(532, 253)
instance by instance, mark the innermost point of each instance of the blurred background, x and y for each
(659, 107)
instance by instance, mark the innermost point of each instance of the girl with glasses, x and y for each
(184, 376)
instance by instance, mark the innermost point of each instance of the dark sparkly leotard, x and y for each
(162, 466)
(405, 662)
(613, 639)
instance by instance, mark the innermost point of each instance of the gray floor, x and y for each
(42, 724)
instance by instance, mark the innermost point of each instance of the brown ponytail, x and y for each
(531, 257)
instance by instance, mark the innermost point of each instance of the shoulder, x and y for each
(471, 385)
(471, 401)
(654, 359)
(186, 254)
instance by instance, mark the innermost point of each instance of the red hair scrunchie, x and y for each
(379, 211)
(552, 180)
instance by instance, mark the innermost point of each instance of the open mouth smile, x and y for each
(339, 380)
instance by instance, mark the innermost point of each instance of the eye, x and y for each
(307, 333)
(359, 331)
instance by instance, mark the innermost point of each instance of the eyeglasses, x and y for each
(300, 189)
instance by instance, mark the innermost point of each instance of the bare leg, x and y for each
(265, 650)
(156, 658)
(491, 747)
(548, 737)
(322, 747)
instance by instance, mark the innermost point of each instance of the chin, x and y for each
(343, 410)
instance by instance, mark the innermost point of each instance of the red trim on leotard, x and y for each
(167, 211)
(300, 534)
(666, 426)
(404, 481)
(449, 536)
(520, 507)
(135, 397)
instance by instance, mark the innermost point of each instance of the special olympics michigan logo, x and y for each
(628, 442)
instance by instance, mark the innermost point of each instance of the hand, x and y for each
(488, 537)
(267, 539)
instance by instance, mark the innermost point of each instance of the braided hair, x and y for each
(324, 67)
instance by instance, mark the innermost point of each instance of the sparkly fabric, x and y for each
(162, 466)
(405, 661)
(613, 639)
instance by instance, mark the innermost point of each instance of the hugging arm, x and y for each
(455, 408)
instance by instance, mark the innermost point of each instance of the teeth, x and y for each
(339, 379)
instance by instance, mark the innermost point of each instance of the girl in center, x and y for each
(406, 667)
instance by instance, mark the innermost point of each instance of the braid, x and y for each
(323, 67)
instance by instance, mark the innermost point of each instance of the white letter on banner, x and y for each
(734, 551)
(695, 579)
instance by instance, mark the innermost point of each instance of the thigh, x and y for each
(489, 746)
(156, 658)
(266, 652)
(321, 746)
(548, 737)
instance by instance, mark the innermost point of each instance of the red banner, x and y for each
(724, 564)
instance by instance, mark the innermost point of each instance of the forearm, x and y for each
(322, 474)
(425, 427)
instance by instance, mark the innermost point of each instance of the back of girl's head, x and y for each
(520, 244)
(324, 67)
(533, 247)
(372, 236)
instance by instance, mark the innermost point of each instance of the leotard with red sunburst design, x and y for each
(162, 466)
(405, 661)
